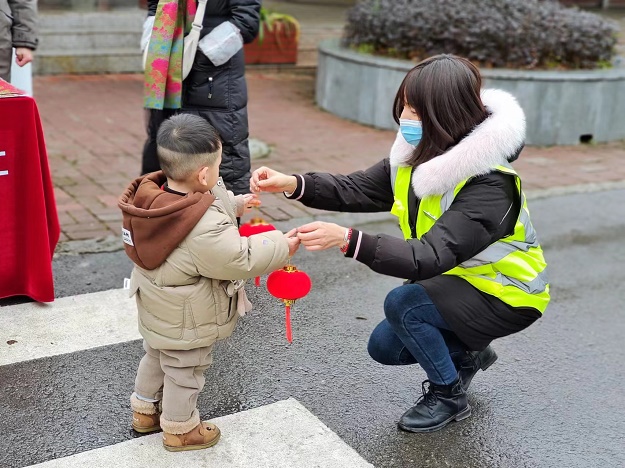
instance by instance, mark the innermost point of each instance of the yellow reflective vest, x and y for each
(511, 269)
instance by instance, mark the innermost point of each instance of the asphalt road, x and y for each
(553, 399)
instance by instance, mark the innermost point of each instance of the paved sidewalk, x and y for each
(94, 132)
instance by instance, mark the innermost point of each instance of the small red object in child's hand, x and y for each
(255, 226)
(288, 285)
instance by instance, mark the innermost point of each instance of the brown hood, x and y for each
(155, 221)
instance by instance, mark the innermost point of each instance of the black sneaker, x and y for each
(474, 361)
(438, 406)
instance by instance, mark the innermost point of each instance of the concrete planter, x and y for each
(562, 108)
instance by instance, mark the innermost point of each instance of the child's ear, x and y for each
(202, 176)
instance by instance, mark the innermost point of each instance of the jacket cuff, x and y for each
(299, 190)
(23, 43)
(24, 37)
(308, 190)
(362, 247)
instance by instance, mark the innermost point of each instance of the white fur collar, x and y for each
(488, 145)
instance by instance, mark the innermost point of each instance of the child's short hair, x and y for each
(186, 142)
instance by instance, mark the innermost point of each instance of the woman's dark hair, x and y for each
(444, 91)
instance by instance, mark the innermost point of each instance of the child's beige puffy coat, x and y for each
(189, 260)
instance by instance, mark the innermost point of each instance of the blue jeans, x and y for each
(415, 332)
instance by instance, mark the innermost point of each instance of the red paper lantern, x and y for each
(288, 285)
(255, 226)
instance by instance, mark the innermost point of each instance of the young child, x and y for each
(180, 229)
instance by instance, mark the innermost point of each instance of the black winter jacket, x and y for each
(219, 94)
(484, 211)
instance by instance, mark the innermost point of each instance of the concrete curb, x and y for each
(113, 243)
(537, 194)
(89, 246)
(552, 100)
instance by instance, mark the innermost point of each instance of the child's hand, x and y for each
(251, 201)
(293, 240)
(246, 202)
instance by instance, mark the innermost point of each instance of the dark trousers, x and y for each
(154, 118)
(415, 332)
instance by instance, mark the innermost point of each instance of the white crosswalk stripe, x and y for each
(283, 434)
(66, 325)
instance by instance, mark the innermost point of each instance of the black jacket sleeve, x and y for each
(484, 211)
(359, 192)
(246, 16)
(152, 4)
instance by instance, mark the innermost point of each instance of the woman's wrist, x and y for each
(347, 237)
(292, 185)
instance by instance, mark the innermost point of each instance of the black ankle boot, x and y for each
(474, 361)
(439, 405)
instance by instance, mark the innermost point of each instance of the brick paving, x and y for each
(94, 127)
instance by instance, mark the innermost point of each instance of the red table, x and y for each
(29, 224)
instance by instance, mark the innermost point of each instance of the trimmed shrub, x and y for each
(494, 33)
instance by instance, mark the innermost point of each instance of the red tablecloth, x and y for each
(29, 224)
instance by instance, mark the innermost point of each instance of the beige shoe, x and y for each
(202, 436)
(144, 423)
(145, 415)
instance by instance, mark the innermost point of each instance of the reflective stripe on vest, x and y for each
(512, 269)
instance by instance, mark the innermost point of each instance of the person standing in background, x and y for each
(215, 89)
(18, 29)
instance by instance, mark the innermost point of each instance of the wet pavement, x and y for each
(553, 399)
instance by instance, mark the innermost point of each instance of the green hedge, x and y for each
(495, 33)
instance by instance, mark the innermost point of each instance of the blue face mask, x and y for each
(411, 130)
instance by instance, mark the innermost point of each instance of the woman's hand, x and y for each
(320, 235)
(292, 239)
(265, 179)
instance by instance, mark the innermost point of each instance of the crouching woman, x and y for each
(474, 269)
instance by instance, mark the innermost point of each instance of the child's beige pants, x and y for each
(176, 378)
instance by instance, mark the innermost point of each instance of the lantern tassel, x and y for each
(257, 281)
(289, 334)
